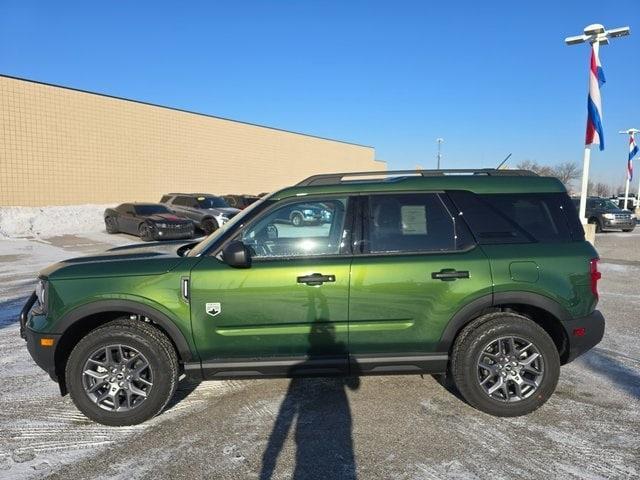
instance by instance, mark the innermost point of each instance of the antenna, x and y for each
(503, 161)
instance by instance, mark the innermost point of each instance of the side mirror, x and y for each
(236, 254)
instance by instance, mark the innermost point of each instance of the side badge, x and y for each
(213, 309)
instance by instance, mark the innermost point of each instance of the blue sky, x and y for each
(489, 77)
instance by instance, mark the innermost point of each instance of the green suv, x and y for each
(482, 278)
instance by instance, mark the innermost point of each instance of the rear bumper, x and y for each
(583, 333)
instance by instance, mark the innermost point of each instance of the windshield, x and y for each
(146, 210)
(211, 202)
(238, 219)
(605, 204)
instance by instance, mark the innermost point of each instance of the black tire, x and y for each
(145, 233)
(471, 343)
(597, 223)
(208, 226)
(296, 219)
(628, 229)
(111, 224)
(147, 340)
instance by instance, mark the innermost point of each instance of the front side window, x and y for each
(414, 222)
(299, 229)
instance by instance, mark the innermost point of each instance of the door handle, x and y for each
(449, 274)
(316, 279)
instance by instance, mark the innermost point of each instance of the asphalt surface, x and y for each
(399, 427)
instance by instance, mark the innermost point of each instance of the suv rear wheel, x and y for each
(505, 364)
(209, 225)
(122, 373)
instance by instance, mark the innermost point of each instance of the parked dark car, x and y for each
(606, 215)
(208, 212)
(301, 214)
(240, 201)
(149, 221)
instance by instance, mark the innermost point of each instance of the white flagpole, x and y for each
(585, 184)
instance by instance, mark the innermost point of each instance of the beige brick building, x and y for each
(60, 146)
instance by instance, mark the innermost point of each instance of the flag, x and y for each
(633, 149)
(595, 135)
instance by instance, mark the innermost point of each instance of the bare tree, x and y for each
(542, 170)
(601, 189)
(566, 172)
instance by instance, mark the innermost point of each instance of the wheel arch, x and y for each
(544, 311)
(82, 320)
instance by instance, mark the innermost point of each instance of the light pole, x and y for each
(632, 151)
(594, 34)
(440, 142)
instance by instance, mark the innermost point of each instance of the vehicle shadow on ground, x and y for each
(10, 311)
(185, 388)
(625, 378)
(316, 411)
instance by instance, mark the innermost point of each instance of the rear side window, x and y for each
(416, 222)
(519, 218)
(184, 202)
(165, 198)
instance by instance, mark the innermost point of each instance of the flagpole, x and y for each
(626, 193)
(585, 184)
(593, 34)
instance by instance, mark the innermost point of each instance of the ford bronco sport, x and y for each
(481, 277)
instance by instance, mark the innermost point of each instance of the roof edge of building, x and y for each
(125, 99)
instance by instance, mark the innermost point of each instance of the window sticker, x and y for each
(414, 219)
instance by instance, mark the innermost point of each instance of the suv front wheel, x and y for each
(505, 364)
(122, 373)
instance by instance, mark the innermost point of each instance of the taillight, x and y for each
(594, 275)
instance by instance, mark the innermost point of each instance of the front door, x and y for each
(419, 265)
(288, 312)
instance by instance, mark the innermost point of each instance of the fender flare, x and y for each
(467, 313)
(104, 306)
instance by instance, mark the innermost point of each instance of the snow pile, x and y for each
(18, 222)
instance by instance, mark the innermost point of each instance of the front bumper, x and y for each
(583, 333)
(620, 223)
(41, 346)
(173, 233)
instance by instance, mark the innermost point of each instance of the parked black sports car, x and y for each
(149, 221)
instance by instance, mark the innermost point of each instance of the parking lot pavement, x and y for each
(400, 427)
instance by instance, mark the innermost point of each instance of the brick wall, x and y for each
(60, 146)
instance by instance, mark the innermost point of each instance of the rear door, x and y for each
(418, 265)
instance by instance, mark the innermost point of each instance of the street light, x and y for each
(594, 34)
(440, 142)
(631, 132)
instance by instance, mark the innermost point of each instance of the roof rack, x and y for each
(336, 178)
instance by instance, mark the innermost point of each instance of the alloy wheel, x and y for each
(117, 378)
(510, 369)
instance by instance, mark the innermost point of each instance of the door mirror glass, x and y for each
(236, 254)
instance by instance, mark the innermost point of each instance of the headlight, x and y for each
(609, 216)
(224, 218)
(41, 293)
(161, 225)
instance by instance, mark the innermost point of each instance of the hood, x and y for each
(166, 217)
(138, 259)
(229, 211)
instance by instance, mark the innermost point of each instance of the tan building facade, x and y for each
(60, 146)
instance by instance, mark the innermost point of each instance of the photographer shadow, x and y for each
(316, 410)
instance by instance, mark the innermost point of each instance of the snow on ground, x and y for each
(50, 221)
(400, 427)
